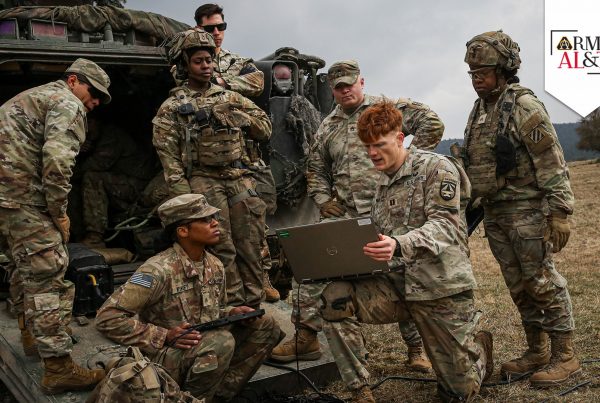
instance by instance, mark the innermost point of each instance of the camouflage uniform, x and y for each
(113, 175)
(434, 287)
(514, 203)
(42, 130)
(170, 289)
(239, 73)
(230, 188)
(338, 163)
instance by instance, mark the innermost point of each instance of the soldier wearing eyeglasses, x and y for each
(232, 71)
(182, 286)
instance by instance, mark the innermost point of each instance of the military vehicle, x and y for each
(38, 42)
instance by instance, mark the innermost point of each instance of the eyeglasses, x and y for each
(210, 218)
(481, 73)
(210, 28)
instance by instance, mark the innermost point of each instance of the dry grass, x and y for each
(578, 262)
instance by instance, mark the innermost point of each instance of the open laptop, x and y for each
(330, 250)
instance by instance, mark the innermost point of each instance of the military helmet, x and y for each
(493, 49)
(192, 38)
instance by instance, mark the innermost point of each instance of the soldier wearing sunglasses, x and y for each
(232, 71)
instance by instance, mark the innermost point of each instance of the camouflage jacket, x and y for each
(42, 130)
(167, 290)
(540, 171)
(420, 207)
(116, 151)
(169, 135)
(338, 160)
(239, 73)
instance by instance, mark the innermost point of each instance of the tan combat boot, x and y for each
(563, 362)
(485, 340)
(61, 374)
(93, 240)
(308, 347)
(363, 395)
(537, 355)
(417, 360)
(271, 293)
(27, 339)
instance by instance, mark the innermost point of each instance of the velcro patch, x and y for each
(145, 280)
(448, 189)
(536, 135)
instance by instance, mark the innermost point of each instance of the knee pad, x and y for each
(338, 301)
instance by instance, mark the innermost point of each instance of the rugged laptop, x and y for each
(330, 250)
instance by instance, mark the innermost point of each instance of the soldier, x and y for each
(114, 174)
(181, 286)
(42, 129)
(516, 166)
(232, 71)
(342, 180)
(206, 138)
(239, 74)
(417, 207)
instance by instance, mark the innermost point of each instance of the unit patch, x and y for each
(145, 280)
(448, 189)
(536, 135)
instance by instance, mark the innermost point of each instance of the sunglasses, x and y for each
(210, 28)
(94, 93)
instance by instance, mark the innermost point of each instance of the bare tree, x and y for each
(589, 132)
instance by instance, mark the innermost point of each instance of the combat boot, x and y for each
(93, 240)
(362, 395)
(27, 339)
(485, 340)
(61, 374)
(308, 347)
(271, 293)
(417, 360)
(536, 357)
(563, 362)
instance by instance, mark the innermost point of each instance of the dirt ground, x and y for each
(578, 262)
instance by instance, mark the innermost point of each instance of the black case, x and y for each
(83, 264)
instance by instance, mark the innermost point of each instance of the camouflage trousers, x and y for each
(517, 240)
(15, 299)
(103, 189)
(242, 233)
(447, 326)
(35, 246)
(223, 361)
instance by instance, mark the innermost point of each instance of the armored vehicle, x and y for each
(39, 39)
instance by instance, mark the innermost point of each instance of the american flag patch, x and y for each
(145, 280)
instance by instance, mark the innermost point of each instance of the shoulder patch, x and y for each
(448, 189)
(143, 279)
(536, 135)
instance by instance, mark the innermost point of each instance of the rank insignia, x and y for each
(448, 189)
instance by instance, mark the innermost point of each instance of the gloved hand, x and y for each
(559, 231)
(229, 114)
(332, 208)
(63, 224)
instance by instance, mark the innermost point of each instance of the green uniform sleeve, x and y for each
(318, 172)
(118, 318)
(169, 140)
(64, 132)
(260, 124)
(249, 81)
(441, 209)
(423, 123)
(540, 139)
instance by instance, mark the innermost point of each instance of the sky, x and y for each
(405, 49)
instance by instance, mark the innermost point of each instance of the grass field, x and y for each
(578, 262)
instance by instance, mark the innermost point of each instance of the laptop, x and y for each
(330, 250)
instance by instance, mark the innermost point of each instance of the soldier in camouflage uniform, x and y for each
(238, 74)
(232, 71)
(342, 180)
(417, 208)
(114, 174)
(182, 286)
(206, 138)
(517, 168)
(42, 130)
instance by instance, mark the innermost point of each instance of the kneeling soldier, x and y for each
(181, 286)
(417, 207)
